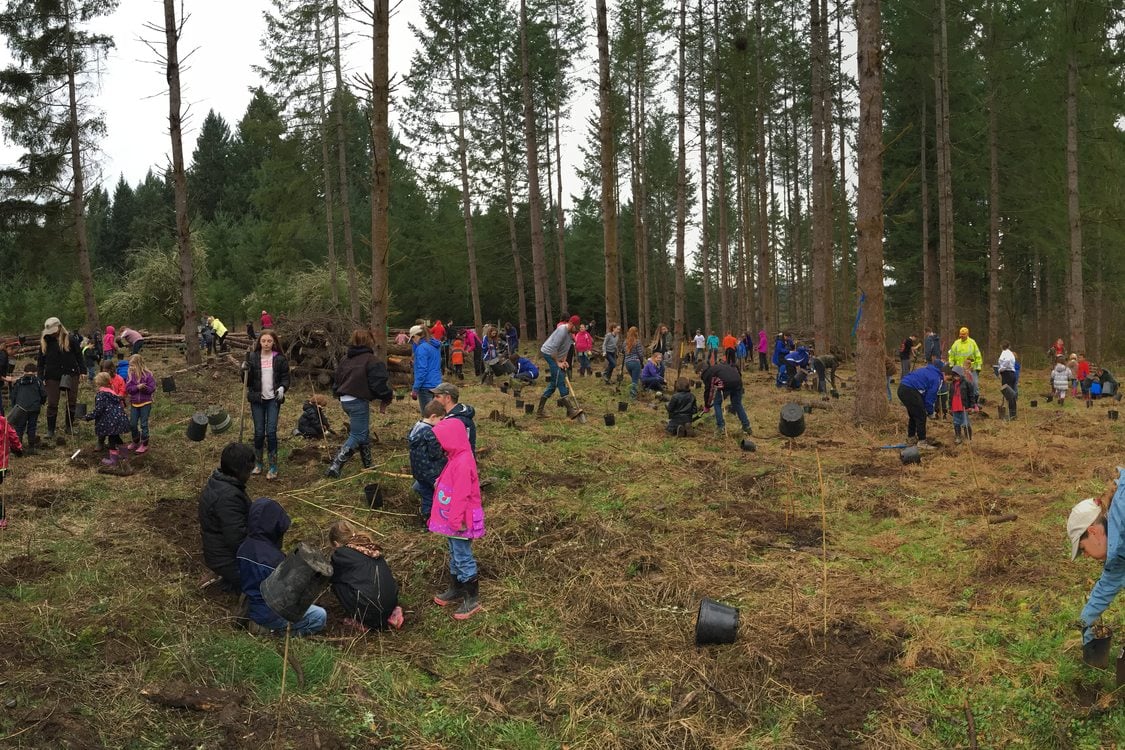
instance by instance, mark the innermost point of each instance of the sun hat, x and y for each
(1082, 516)
(51, 325)
(417, 331)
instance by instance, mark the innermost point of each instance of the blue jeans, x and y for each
(265, 423)
(312, 623)
(610, 364)
(735, 399)
(90, 373)
(426, 495)
(462, 564)
(960, 419)
(556, 380)
(634, 369)
(139, 414)
(359, 422)
(584, 361)
(425, 396)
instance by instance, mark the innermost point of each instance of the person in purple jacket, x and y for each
(140, 385)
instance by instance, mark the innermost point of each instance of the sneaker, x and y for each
(396, 619)
(272, 473)
(257, 468)
(747, 431)
(3, 523)
(957, 441)
(924, 445)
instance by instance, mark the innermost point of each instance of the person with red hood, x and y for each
(457, 515)
(267, 320)
(109, 343)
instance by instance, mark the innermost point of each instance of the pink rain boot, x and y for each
(143, 447)
(113, 459)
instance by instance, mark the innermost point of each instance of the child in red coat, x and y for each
(9, 443)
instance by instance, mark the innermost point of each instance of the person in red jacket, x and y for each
(1082, 375)
(9, 443)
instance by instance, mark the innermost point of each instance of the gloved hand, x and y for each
(281, 393)
(414, 395)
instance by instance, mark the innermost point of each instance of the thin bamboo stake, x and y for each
(823, 538)
(284, 674)
(333, 512)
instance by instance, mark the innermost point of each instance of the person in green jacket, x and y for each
(963, 347)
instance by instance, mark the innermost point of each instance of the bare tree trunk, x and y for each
(946, 253)
(342, 164)
(329, 214)
(609, 206)
(509, 208)
(843, 214)
(993, 227)
(929, 263)
(1074, 287)
(380, 173)
(704, 230)
(821, 229)
(720, 192)
(560, 218)
(870, 405)
(463, 161)
(766, 288)
(179, 180)
(78, 195)
(535, 200)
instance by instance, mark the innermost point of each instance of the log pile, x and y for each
(316, 345)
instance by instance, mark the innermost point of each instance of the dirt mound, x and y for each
(515, 682)
(849, 672)
(25, 569)
(798, 530)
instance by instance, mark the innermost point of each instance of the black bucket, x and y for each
(1112, 414)
(374, 495)
(792, 423)
(747, 445)
(835, 393)
(529, 408)
(519, 403)
(1008, 393)
(197, 427)
(622, 406)
(1096, 652)
(715, 624)
(503, 387)
(808, 409)
(610, 420)
(297, 582)
(911, 455)
(168, 384)
(1034, 403)
(80, 411)
(218, 419)
(68, 382)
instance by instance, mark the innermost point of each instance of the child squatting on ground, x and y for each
(457, 515)
(362, 580)
(681, 409)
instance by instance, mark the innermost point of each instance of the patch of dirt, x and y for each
(756, 484)
(25, 569)
(176, 520)
(43, 498)
(877, 470)
(308, 454)
(1086, 695)
(850, 673)
(800, 531)
(548, 438)
(515, 682)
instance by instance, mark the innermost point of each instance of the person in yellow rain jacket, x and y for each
(220, 332)
(963, 347)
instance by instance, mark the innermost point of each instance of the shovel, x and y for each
(580, 415)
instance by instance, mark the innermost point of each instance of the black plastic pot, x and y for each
(168, 384)
(197, 427)
(622, 406)
(792, 422)
(519, 403)
(808, 409)
(1096, 652)
(1112, 414)
(835, 393)
(529, 408)
(610, 420)
(218, 419)
(297, 582)
(80, 411)
(1034, 403)
(503, 387)
(715, 624)
(747, 445)
(911, 455)
(374, 495)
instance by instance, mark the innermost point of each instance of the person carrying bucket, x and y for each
(1096, 528)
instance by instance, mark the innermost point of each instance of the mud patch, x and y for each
(797, 530)
(42, 498)
(308, 454)
(876, 470)
(850, 673)
(175, 520)
(25, 569)
(756, 484)
(515, 682)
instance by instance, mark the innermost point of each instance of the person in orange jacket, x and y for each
(730, 344)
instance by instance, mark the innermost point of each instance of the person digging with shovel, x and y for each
(1096, 527)
(555, 350)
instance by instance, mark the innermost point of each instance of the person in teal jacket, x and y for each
(1096, 527)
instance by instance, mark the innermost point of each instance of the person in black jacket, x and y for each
(267, 380)
(362, 580)
(60, 365)
(721, 380)
(360, 379)
(223, 508)
(28, 397)
(681, 408)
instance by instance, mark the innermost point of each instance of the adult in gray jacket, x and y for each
(609, 350)
(554, 350)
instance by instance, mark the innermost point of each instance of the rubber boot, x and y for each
(471, 605)
(113, 459)
(633, 392)
(365, 455)
(571, 407)
(257, 463)
(143, 447)
(272, 473)
(957, 434)
(541, 412)
(455, 593)
(721, 432)
(333, 471)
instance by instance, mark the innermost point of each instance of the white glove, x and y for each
(281, 393)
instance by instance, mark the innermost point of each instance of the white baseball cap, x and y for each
(417, 331)
(1082, 516)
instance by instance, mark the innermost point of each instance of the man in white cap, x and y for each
(1096, 528)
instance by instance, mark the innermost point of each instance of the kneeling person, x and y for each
(362, 580)
(681, 408)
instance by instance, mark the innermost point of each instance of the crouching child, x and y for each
(313, 422)
(258, 556)
(362, 580)
(681, 409)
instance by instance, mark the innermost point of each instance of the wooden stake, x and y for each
(284, 674)
(333, 512)
(823, 538)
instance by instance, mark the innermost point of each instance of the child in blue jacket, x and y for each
(427, 459)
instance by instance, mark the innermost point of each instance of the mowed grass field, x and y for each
(879, 608)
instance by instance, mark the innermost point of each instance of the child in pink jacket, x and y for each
(457, 515)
